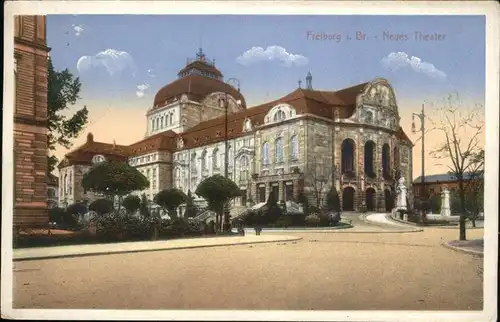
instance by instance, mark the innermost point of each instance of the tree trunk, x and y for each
(463, 235)
(473, 222)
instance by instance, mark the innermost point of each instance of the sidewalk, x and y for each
(474, 246)
(382, 220)
(143, 246)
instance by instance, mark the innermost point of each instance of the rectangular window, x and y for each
(154, 178)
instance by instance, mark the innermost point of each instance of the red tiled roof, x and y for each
(85, 153)
(197, 87)
(157, 142)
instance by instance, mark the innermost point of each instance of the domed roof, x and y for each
(196, 87)
(197, 79)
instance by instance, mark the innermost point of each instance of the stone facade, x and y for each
(30, 116)
(301, 143)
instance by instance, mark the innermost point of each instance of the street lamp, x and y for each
(224, 103)
(421, 116)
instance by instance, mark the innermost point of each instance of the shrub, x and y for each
(312, 220)
(101, 206)
(284, 221)
(131, 203)
(76, 209)
(332, 201)
(56, 214)
(435, 204)
(191, 210)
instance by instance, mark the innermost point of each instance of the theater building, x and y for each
(349, 138)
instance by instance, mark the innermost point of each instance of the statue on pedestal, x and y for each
(445, 202)
(401, 198)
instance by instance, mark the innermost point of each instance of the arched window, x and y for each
(203, 160)
(170, 118)
(348, 147)
(157, 123)
(294, 147)
(70, 185)
(65, 183)
(386, 160)
(152, 124)
(279, 116)
(278, 144)
(215, 159)
(369, 158)
(265, 153)
(230, 156)
(244, 168)
(178, 178)
(161, 122)
(193, 162)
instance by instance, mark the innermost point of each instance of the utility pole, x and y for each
(421, 116)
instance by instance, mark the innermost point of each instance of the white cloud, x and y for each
(114, 61)
(78, 29)
(258, 54)
(395, 61)
(141, 89)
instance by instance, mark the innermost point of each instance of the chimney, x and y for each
(90, 137)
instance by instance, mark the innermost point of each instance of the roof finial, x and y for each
(114, 143)
(200, 55)
(300, 83)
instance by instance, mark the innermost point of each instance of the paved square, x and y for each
(323, 271)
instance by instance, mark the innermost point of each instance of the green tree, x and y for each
(131, 203)
(170, 200)
(190, 211)
(62, 92)
(114, 179)
(101, 206)
(332, 201)
(144, 207)
(56, 214)
(218, 191)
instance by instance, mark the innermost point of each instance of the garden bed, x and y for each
(83, 238)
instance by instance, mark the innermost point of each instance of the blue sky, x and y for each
(161, 44)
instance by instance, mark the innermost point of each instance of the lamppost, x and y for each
(421, 116)
(224, 103)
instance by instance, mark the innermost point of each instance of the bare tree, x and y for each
(318, 177)
(462, 128)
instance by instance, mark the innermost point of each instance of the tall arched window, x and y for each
(243, 168)
(65, 183)
(279, 116)
(215, 159)
(278, 150)
(171, 118)
(161, 122)
(193, 162)
(152, 124)
(178, 178)
(369, 158)
(203, 160)
(386, 160)
(158, 123)
(348, 147)
(294, 147)
(230, 156)
(265, 153)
